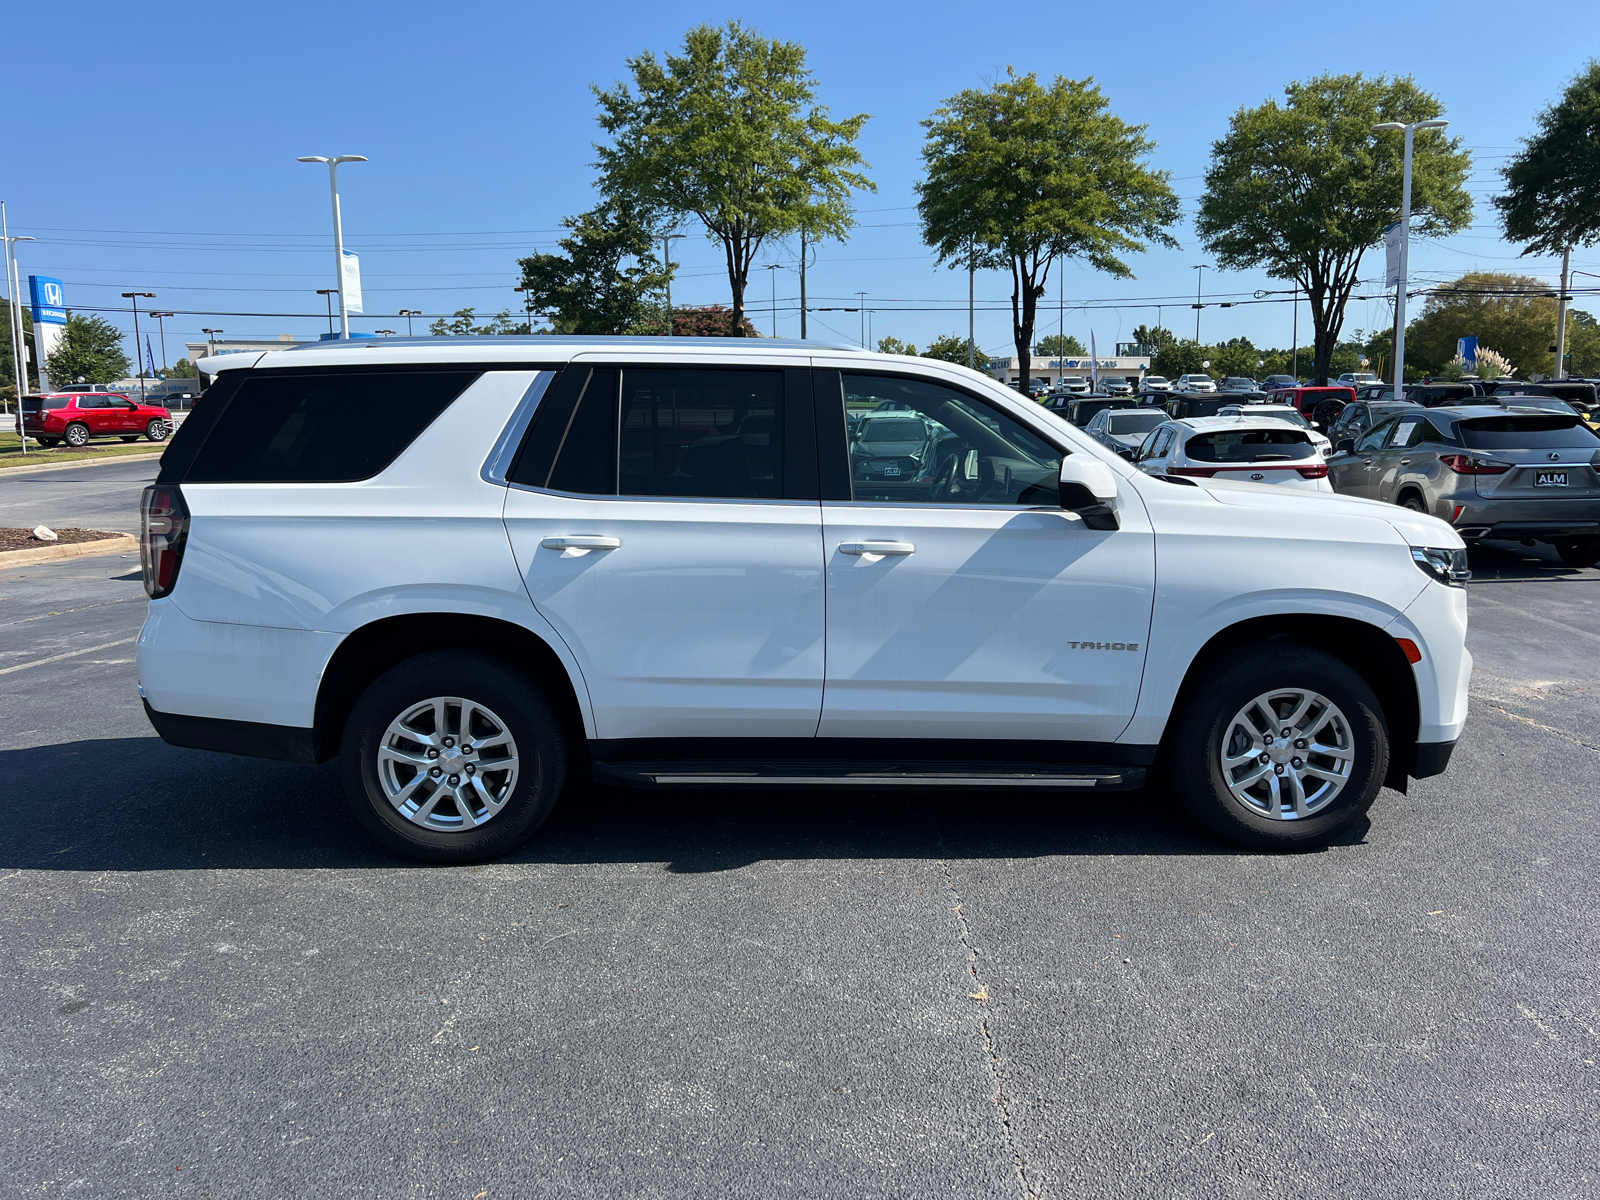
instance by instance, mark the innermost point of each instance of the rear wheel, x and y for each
(77, 435)
(1414, 502)
(450, 757)
(156, 431)
(48, 443)
(1580, 552)
(1281, 750)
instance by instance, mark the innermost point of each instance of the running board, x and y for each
(725, 773)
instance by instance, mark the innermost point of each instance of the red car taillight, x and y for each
(1469, 464)
(164, 527)
(1317, 472)
(1201, 472)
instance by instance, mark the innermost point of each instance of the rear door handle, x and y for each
(877, 548)
(581, 542)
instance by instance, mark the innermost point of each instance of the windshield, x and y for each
(1284, 414)
(1135, 421)
(893, 429)
(1517, 432)
(1155, 378)
(1547, 403)
(1250, 446)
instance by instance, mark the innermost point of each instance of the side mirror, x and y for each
(1089, 488)
(1344, 446)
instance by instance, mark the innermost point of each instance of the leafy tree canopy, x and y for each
(461, 325)
(1552, 197)
(587, 288)
(893, 345)
(1513, 314)
(1153, 336)
(727, 133)
(1054, 345)
(952, 347)
(7, 375)
(182, 369)
(1305, 188)
(90, 350)
(1021, 174)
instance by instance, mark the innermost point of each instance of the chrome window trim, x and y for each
(497, 466)
(608, 498)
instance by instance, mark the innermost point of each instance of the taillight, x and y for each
(1470, 464)
(1318, 472)
(1202, 472)
(164, 526)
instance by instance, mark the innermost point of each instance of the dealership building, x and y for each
(1044, 371)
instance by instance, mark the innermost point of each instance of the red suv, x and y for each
(75, 417)
(1319, 405)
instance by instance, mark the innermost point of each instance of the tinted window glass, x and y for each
(1134, 422)
(717, 434)
(1375, 437)
(1249, 446)
(588, 453)
(51, 402)
(322, 428)
(1526, 433)
(964, 453)
(92, 402)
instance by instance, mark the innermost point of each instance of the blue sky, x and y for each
(158, 150)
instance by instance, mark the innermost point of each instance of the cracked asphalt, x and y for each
(215, 987)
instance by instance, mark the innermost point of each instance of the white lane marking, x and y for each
(39, 662)
(1522, 612)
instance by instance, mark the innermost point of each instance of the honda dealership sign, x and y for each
(49, 316)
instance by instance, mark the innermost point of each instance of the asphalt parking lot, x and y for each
(215, 987)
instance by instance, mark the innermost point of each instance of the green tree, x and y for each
(1154, 337)
(1022, 174)
(893, 345)
(460, 325)
(1237, 356)
(1513, 314)
(1583, 344)
(727, 133)
(8, 380)
(703, 320)
(587, 289)
(1305, 188)
(1552, 197)
(1180, 358)
(1054, 345)
(182, 369)
(952, 347)
(89, 349)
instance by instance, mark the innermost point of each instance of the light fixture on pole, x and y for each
(666, 265)
(338, 226)
(774, 278)
(1200, 274)
(161, 322)
(329, 293)
(137, 352)
(384, 332)
(211, 339)
(1405, 245)
(408, 313)
(527, 304)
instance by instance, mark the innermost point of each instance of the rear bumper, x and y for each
(1432, 759)
(287, 743)
(1515, 531)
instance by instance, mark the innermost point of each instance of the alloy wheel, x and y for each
(1287, 754)
(448, 764)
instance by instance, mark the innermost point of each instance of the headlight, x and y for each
(1449, 567)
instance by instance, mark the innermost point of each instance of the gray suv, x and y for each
(1514, 473)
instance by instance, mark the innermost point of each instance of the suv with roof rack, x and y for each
(470, 567)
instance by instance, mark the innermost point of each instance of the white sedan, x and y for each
(1245, 449)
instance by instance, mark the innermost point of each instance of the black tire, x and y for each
(48, 443)
(1193, 753)
(1580, 552)
(156, 431)
(1326, 413)
(127, 438)
(77, 434)
(527, 717)
(1414, 502)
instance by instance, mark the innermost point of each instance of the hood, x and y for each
(1418, 529)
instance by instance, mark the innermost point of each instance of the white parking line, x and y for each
(39, 662)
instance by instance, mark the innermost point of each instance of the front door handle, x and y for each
(1404, 462)
(877, 548)
(581, 542)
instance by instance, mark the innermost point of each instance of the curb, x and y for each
(24, 558)
(7, 472)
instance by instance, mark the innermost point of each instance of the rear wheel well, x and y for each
(371, 650)
(1366, 649)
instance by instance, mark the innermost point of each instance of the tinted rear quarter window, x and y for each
(1527, 433)
(335, 427)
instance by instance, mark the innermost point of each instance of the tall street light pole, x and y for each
(338, 226)
(527, 305)
(408, 313)
(161, 322)
(329, 294)
(138, 351)
(774, 278)
(863, 296)
(1200, 274)
(19, 361)
(1405, 246)
(1561, 315)
(666, 265)
(972, 319)
(211, 340)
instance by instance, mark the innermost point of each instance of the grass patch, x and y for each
(11, 451)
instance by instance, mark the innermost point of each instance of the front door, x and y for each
(1358, 472)
(962, 601)
(672, 536)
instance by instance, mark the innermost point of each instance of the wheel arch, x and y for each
(370, 650)
(1363, 647)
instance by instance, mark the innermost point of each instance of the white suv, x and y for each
(1195, 383)
(467, 567)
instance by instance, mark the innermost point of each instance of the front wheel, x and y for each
(77, 435)
(156, 431)
(1281, 750)
(450, 757)
(1580, 552)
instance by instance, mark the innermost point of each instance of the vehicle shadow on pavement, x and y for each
(1509, 562)
(137, 804)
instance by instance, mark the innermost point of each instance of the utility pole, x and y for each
(1200, 274)
(863, 296)
(972, 322)
(330, 293)
(1405, 247)
(1561, 315)
(19, 352)
(1061, 331)
(774, 278)
(338, 228)
(527, 307)
(802, 283)
(1294, 337)
(666, 265)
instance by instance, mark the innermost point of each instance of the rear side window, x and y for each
(701, 433)
(322, 428)
(1527, 433)
(1250, 446)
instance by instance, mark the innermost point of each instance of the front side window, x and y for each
(1374, 438)
(944, 448)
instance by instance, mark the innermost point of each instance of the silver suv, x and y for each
(1517, 473)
